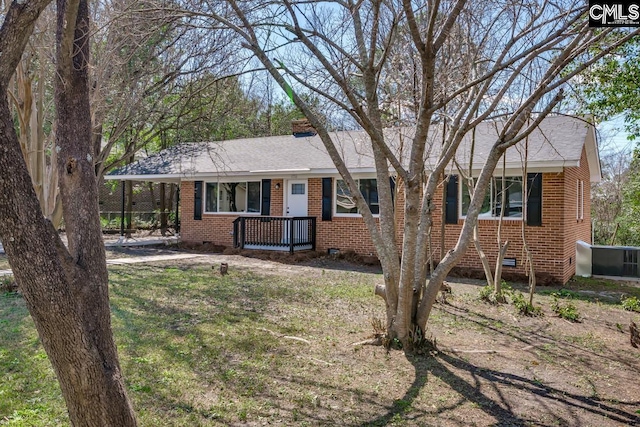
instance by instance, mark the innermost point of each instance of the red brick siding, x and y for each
(552, 244)
(545, 242)
(575, 229)
(344, 233)
(277, 196)
(215, 228)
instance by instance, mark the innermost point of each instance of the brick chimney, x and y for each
(302, 128)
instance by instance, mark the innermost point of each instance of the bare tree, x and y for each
(145, 75)
(31, 97)
(472, 62)
(137, 63)
(607, 196)
(65, 290)
(493, 277)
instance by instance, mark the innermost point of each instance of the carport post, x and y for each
(177, 226)
(122, 211)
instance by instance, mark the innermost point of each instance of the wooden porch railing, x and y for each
(275, 233)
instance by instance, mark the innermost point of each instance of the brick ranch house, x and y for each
(247, 192)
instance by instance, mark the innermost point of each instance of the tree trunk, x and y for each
(497, 286)
(483, 258)
(464, 239)
(502, 248)
(481, 92)
(90, 375)
(29, 105)
(64, 289)
(67, 298)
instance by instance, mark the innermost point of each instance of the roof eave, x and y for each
(533, 166)
(172, 178)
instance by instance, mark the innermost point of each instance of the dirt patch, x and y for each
(542, 279)
(341, 260)
(137, 252)
(492, 368)
(201, 247)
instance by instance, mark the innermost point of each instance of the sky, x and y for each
(613, 131)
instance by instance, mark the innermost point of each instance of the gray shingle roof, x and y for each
(558, 142)
(556, 139)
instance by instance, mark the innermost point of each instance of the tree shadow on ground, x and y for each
(241, 360)
(539, 339)
(500, 397)
(490, 391)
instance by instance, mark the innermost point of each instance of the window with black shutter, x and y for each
(197, 201)
(451, 199)
(266, 197)
(534, 199)
(327, 198)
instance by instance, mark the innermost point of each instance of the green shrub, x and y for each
(565, 310)
(563, 293)
(522, 305)
(487, 293)
(631, 304)
(110, 224)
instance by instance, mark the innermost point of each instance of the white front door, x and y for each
(297, 198)
(296, 205)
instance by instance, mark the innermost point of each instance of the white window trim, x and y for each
(204, 189)
(579, 199)
(335, 199)
(488, 218)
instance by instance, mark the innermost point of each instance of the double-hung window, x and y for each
(492, 203)
(346, 204)
(229, 197)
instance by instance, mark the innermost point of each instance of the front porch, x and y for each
(275, 233)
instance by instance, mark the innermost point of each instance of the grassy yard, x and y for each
(4, 262)
(270, 344)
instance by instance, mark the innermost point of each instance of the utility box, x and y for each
(619, 261)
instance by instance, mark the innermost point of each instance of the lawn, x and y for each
(272, 344)
(4, 262)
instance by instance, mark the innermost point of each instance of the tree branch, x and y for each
(16, 29)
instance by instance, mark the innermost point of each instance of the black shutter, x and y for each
(327, 198)
(534, 201)
(451, 207)
(197, 200)
(265, 208)
(392, 183)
